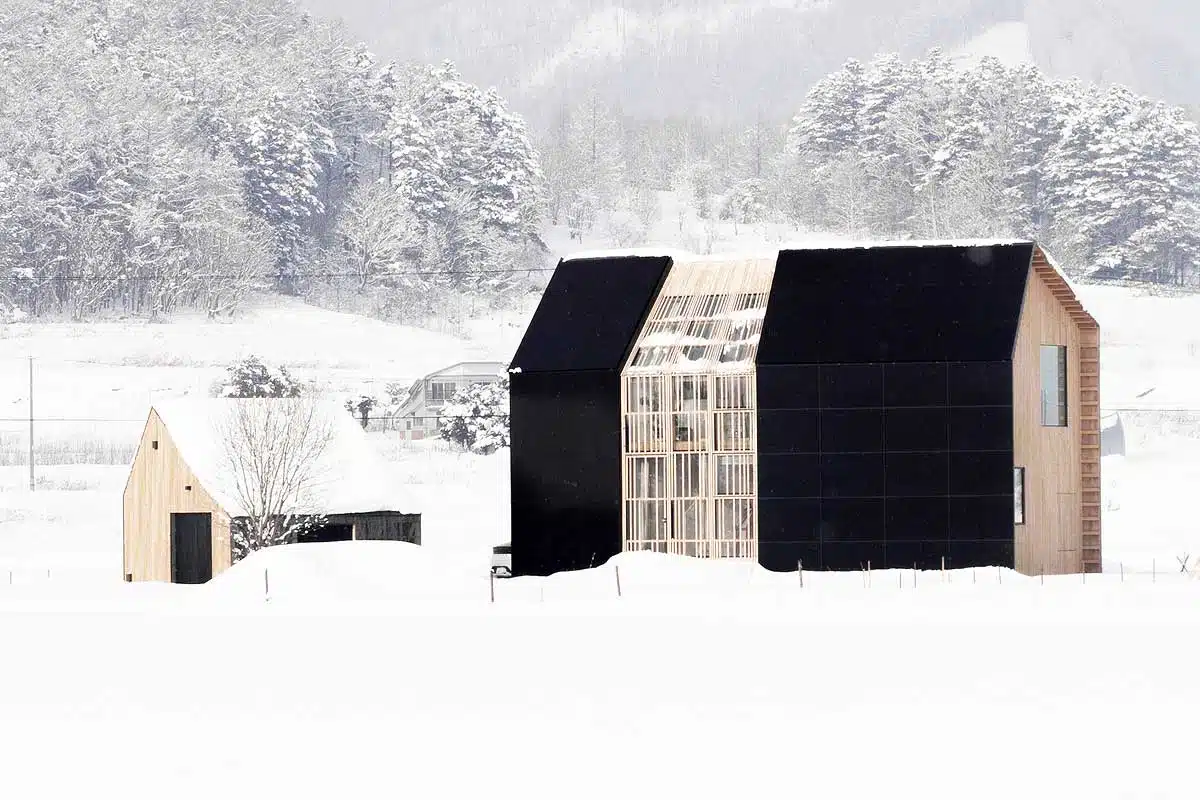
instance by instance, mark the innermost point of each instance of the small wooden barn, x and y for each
(191, 483)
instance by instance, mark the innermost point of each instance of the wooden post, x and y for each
(1000, 575)
(1122, 572)
(617, 570)
(492, 583)
(914, 574)
(800, 569)
(266, 585)
(943, 569)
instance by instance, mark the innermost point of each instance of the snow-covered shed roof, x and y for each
(348, 477)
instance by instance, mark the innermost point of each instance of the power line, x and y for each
(217, 275)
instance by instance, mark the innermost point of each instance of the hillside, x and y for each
(735, 61)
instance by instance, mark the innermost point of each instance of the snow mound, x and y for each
(386, 576)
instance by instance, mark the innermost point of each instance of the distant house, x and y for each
(894, 405)
(421, 414)
(181, 500)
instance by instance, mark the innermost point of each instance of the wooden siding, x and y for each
(382, 526)
(1061, 533)
(156, 489)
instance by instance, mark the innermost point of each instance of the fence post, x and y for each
(266, 586)
(492, 583)
(800, 569)
(1122, 572)
(617, 570)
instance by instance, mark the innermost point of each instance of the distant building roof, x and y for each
(349, 477)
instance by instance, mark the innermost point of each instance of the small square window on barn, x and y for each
(1054, 386)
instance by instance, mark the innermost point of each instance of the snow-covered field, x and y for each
(382, 670)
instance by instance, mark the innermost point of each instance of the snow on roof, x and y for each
(348, 477)
(829, 243)
(630, 252)
(832, 243)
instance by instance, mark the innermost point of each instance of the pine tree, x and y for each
(477, 417)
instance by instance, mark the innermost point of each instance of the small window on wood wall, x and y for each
(1054, 386)
(1019, 495)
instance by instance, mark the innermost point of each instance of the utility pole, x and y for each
(31, 481)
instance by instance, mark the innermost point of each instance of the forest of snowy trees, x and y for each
(180, 153)
(922, 149)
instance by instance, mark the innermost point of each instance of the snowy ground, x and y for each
(382, 670)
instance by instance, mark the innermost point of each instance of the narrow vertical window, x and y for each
(1019, 495)
(1054, 386)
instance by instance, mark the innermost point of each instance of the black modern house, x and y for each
(899, 405)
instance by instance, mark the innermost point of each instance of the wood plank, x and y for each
(158, 486)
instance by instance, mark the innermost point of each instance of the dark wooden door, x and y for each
(191, 548)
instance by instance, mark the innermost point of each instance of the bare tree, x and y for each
(272, 449)
(378, 232)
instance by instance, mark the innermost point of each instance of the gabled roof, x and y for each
(831, 301)
(951, 301)
(590, 313)
(349, 477)
(463, 368)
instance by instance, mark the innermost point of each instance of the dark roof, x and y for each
(895, 303)
(590, 313)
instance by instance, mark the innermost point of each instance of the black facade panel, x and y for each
(980, 554)
(788, 432)
(913, 483)
(852, 386)
(916, 429)
(976, 474)
(566, 470)
(917, 474)
(895, 304)
(852, 475)
(789, 521)
(982, 518)
(987, 383)
(858, 520)
(981, 428)
(852, 431)
(915, 385)
(917, 519)
(788, 387)
(792, 475)
(590, 314)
